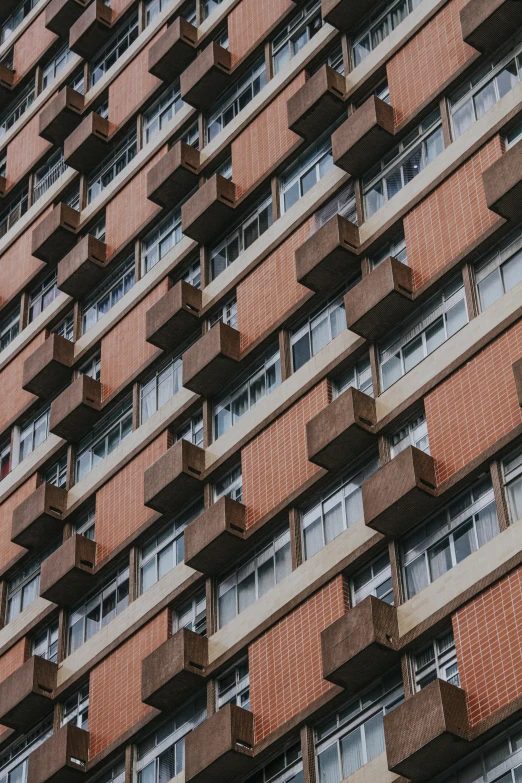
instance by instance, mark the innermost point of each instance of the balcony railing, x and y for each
(52, 176)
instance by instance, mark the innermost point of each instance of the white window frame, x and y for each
(437, 660)
(17, 753)
(162, 111)
(192, 614)
(43, 295)
(116, 585)
(112, 289)
(359, 375)
(249, 83)
(120, 419)
(413, 433)
(374, 578)
(75, 709)
(228, 250)
(113, 165)
(117, 45)
(165, 383)
(163, 237)
(333, 313)
(230, 485)
(384, 19)
(233, 686)
(495, 267)
(314, 163)
(301, 28)
(44, 643)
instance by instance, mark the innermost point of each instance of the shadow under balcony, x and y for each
(55, 235)
(209, 211)
(39, 518)
(92, 30)
(174, 317)
(364, 137)
(7, 76)
(317, 104)
(60, 15)
(68, 573)
(174, 175)
(48, 368)
(174, 51)
(221, 748)
(60, 759)
(503, 183)
(83, 267)
(217, 537)
(174, 477)
(346, 14)
(329, 256)
(61, 116)
(26, 695)
(77, 409)
(486, 24)
(211, 361)
(206, 77)
(175, 671)
(87, 144)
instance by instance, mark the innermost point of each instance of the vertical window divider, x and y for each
(134, 580)
(470, 290)
(446, 122)
(62, 640)
(408, 675)
(207, 423)
(276, 198)
(359, 201)
(285, 353)
(135, 406)
(393, 553)
(24, 310)
(211, 599)
(308, 754)
(374, 363)
(211, 697)
(3, 602)
(296, 542)
(499, 494)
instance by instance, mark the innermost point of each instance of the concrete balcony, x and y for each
(364, 138)
(91, 30)
(174, 176)
(60, 15)
(60, 759)
(211, 361)
(48, 368)
(210, 210)
(317, 104)
(7, 76)
(39, 518)
(217, 537)
(381, 300)
(174, 317)
(401, 493)
(55, 235)
(174, 51)
(346, 14)
(206, 77)
(329, 256)
(61, 115)
(87, 144)
(26, 695)
(68, 573)
(342, 431)
(174, 477)
(175, 671)
(361, 645)
(221, 748)
(83, 267)
(77, 409)
(486, 24)
(503, 184)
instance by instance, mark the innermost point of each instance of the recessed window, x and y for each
(379, 26)
(227, 250)
(44, 644)
(157, 243)
(236, 99)
(33, 433)
(15, 209)
(437, 660)
(193, 614)
(55, 65)
(43, 295)
(191, 430)
(9, 327)
(56, 473)
(373, 579)
(162, 111)
(84, 525)
(512, 473)
(320, 328)
(396, 248)
(230, 486)
(13, 762)
(412, 433)
(103, 298)
(306, 172)
(75, 709)
(97, 609)
(114, 49)
(117, 160)
(17, 108)
(499, 271)
(233, 687)
(104, 438)
(24, 587)
(302, 27)
(226, 313)
(359, 376)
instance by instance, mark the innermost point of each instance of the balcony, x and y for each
(77, 409)
(26, 695)
(328, 257)
(317, 104)
(428, 732)
(380, 300)
(7, 76)
(486, 24)
(61, 115)
(206, 77)
(217, 537)
(87, 144)
(211, 361)
(517, 372)
(209, 211)
(174, 176)
(40, 517)
(360, 645)
(3, 186)
(220, 748)
(55, 235)
(401, 493)
(364, 138)
(346, 14)
(175, 671)
(83, 267)
(342, 431)
(174, 51)
(174, 317)
(48, 368)
(68, 573)
(174, 477)
(60, 759)
(91, 30)
(60, 15)
(503, 184)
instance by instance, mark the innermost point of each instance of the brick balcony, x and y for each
(208, 212)
(174, 175)
(83, 267)
(221, 748)
(68, 573)
(364, 138)
(60, 759)
(39, 518)
(55, 235)
(217, 537)
(48, 368)
(207, 76)
(317, 104)
(174, 477)
(174, 317)
(212, 360)
(26, 694)
(77, 409)
(91, 30)
(86, 147)
(175, 671)
(61, 115)
(328, 257)
(174, 51)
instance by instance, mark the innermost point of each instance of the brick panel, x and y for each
(427, 61)
(25, 149)
(31, 45)
(271, 290)
(8, 550)
(269, 136)
(275, 463)
(247, 27)
(475, 406)
(14, 398)
(121, 499)
(132, 86)
(124, 348)
(451, 217)
(14, 658)
(18, 265)
(115, 685)
(285, 663)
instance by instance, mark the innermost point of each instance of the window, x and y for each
(103, 298)
(193, 614)
(9, 327)
(319, 329)
(246, 232)
(379, 27)
(441, 543)
(44, 644)
(500, 761)
(192, 430)
(24, 588)
(156, 7)
(13, 759)
(439, 319)
(161, 239)
(261, 381)
(17, 17)
(98, 229)
(66, 327)
(164, 384)
(54, 66)
(233, 687)
(359, 376)
(512, 474)
(437, 660)
(43, 295)
(114, 49)
(230, 486)
(402, 164)
(396, 248)
(16, 208)
(165, 550)
(243, 91)
(92, 367)
(303, 26)
(117, 160)
(285, 768)
(5, 459)
(499, 271)
(208, 6)
(162, 111)
(226, 313)
(342, 203)
(48, 174)
(373, 579)
(16, 109)
(104, 438)
(34, 433)
(57, 472)
(98, 609)
(252, 578)
(115, 773)
(309, 168)
(191, 137)
(161, 756)
(75, 709)
(513, 136)
(335, 510)
(84, 525)
(193, 275)
(413, 433)
(355, 735)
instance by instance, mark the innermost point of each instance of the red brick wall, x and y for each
(124, 348)
(14, 398)
(271, 290)
(285, 663)
(488, 639)
(14, 658)
(275, 463)
(268, 135)
(427, 61)
(24, 150)
(121, 499)
(132, 86)
(8, 550)
(31, 45)
(18, 265)
(451, 217)
(115, 685)
(475, 406)
(246, 26)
